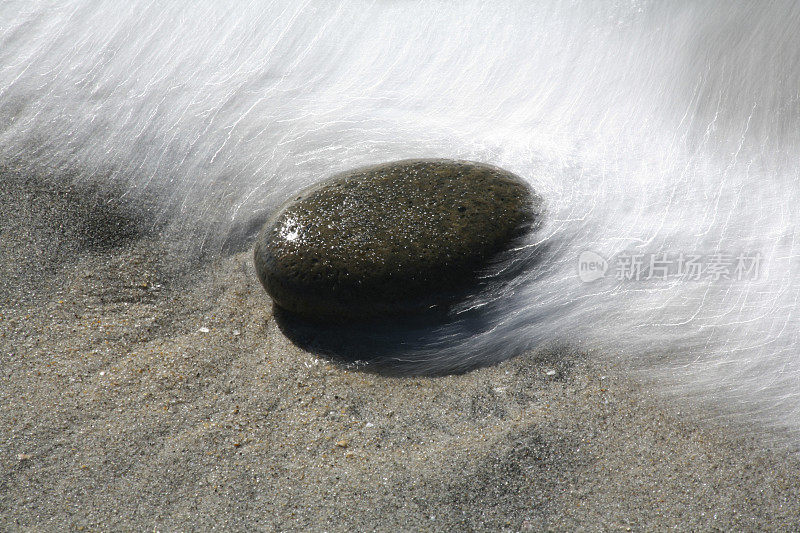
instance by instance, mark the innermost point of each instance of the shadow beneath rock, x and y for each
(438, 342)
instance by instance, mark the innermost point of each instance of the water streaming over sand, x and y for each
(649, 128)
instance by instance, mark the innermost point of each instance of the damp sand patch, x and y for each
(185, 406)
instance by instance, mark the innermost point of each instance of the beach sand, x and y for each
(143, 392)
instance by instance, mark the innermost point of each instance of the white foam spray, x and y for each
(648, 127)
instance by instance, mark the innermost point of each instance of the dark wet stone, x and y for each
(396, 238)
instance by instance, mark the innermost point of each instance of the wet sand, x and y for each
(142, 392)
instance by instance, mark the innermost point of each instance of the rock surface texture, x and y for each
(391, 239)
